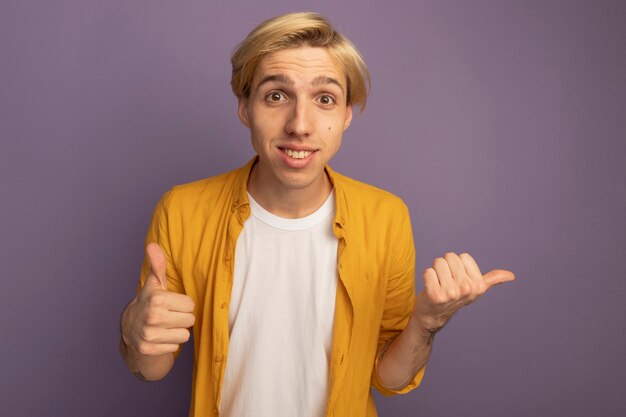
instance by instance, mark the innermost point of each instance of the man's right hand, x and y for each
(156, 321)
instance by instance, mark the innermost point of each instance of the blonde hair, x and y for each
(291, 31)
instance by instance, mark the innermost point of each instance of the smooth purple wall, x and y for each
(502, 125)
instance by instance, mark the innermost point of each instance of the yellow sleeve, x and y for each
(400, 296)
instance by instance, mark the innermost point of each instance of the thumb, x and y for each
(158, 263)
(498, 276)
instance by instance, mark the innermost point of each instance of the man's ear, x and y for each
(242, 111)
(346, 124)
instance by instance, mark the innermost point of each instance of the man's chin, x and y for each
(301, 181)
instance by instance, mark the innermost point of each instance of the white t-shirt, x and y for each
(281, 315)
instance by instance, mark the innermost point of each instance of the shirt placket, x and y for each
(239, 213)
(344, 319)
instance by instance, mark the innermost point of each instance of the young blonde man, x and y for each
(298, 282)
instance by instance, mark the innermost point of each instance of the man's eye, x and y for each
(275, 96)
(326, 99)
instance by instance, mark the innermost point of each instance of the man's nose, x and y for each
(300, 123)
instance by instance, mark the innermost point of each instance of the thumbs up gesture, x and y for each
(156, 321)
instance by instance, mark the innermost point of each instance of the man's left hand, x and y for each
(453, 282)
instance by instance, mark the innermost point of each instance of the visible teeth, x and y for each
(297, 154)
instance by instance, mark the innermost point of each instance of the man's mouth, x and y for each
(296, 154)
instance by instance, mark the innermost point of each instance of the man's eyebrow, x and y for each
(324, 79)
(279, 78)
(283, 79)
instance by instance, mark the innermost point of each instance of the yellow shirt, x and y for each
(197, 225)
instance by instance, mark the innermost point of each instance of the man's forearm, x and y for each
(453, 282)
(405, 356)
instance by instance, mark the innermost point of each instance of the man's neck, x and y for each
(290, 203)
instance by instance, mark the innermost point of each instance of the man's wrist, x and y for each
(424, 319)
(426, 326)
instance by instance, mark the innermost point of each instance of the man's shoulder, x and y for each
(210, 190)
(359, 193)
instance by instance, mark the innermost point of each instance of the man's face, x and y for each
(297, 113)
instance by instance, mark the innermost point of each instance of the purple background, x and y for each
(502, 125)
